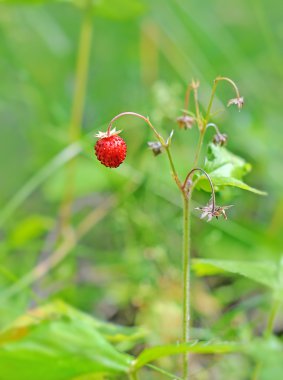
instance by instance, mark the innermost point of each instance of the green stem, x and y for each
(172, 166)
(206, 120)
(186, 281)
(215, 83)
(187, 98)
(199, 119)
(158, 136)
(199, 146)
(133, 376)
(271, 319)
(84, 49)
(166, 373)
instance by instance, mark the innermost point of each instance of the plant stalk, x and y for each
(173, 170)
(186, 281)
(199, 146)
(78, 103)
(133, 376)
(272, 316)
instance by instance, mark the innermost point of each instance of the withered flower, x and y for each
(220, 139)
(185, 121)
(155, 146)
(210, 212)
(238, 101)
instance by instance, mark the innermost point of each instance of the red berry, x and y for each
(111, 150)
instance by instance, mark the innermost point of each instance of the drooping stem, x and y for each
(203, 124)
(84, 49)
(159, 137)
(213, 126)
(186, 282)
(215, 83)
(186, 182)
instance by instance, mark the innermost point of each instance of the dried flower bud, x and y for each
(185, 121)
(209, 212)
(238, 101)
(155, 146)
(220, 139)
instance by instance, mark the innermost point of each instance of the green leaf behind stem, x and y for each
(265, 273)
(153, 353)
(225, 169)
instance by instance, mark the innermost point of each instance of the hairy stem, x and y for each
(187, 194)
(173, 170)
(84, 49)
(186, 282)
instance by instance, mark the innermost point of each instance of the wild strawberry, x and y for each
(110, 149)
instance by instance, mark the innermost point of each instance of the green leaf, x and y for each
(265, 273)
(220, 160)
(219, 182)
(225, 169)
(58, 344)
(59, 309)
(151, 354)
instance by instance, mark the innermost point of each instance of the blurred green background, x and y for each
(126, 266)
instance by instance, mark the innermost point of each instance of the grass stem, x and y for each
(84, 49)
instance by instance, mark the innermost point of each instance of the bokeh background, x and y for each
(126, 264)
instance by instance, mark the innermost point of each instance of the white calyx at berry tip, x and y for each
(102, 135)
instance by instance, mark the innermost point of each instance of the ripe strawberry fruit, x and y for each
(110, 149)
